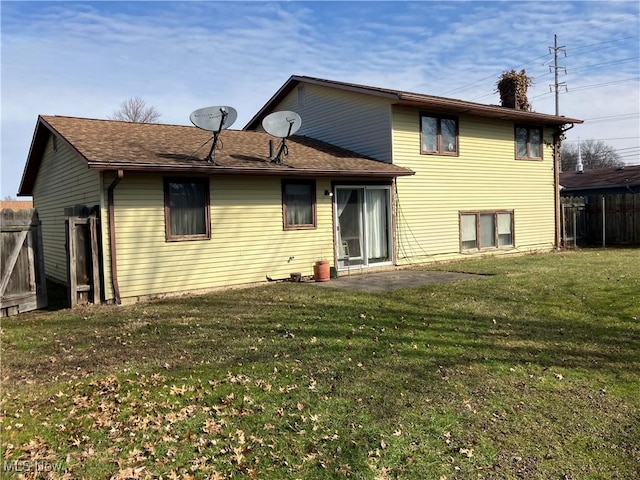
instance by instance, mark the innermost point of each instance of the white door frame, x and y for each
(362, 260)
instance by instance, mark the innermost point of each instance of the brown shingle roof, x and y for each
(602, 178)
(114, 145)
(400, 97)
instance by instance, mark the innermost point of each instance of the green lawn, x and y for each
(532, 372)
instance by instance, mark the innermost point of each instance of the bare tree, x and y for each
(135, 109)
(594, 154)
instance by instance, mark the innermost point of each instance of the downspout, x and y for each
(112, 236)
(557, 141)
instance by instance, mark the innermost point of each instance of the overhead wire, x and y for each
(572, 49)
(483, 80)
(625, 60)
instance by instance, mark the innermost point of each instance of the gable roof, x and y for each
(399, 97)
(115, 145)
(602, 180)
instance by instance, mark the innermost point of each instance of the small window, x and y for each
(186, 209)
(482, 230)
(528, 142)
(505, 237)
(299, 205)
(438, 135)
(468, 232)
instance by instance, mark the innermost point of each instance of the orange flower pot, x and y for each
(321, 271)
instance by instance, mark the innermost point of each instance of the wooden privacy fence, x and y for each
(22, 281)
(601, 220)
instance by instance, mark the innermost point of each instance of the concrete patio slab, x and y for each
(393, 280)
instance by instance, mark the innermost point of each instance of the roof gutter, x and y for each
(209, 169)
(112, 236)
(630, 188)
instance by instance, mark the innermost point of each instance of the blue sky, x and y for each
(85, 58)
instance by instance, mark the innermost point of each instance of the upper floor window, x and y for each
(528, 142)
(438, 134)
(299, 204)
(186, 209)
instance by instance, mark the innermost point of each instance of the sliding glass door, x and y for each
(363, 226)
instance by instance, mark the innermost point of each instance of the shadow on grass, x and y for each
(406, 325)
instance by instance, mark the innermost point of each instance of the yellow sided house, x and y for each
(131, 210)
(486, 176)
(373, 178)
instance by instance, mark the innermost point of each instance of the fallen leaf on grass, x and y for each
(129, 473)
(468, 452)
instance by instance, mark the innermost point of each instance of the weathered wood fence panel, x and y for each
(608, 220)
(22, 281)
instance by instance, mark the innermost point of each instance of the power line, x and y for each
(612, 138)
(586, 87)
(555, 69)
(602, 43)
(624, 60)
(527, 62)
(552, 69)
(611, 118)
(482, 80)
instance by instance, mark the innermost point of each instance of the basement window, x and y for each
(486, 229)
(528, 143)
(186, 209)
(438, 135)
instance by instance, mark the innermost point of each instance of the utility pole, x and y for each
(555, 49)
(557, 140)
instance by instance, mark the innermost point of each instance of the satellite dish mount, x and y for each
(216, 135)
(214, 119)
(281, 124)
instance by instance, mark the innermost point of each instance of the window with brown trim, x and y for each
(528, 143)
(299, 204)
(486, 229)
(438, 134)
(186, 209)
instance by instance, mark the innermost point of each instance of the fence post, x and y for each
(604, 223)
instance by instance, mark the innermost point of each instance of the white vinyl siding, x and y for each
(63, 181)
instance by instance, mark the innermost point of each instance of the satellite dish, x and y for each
(282, 124)
(214, 119)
